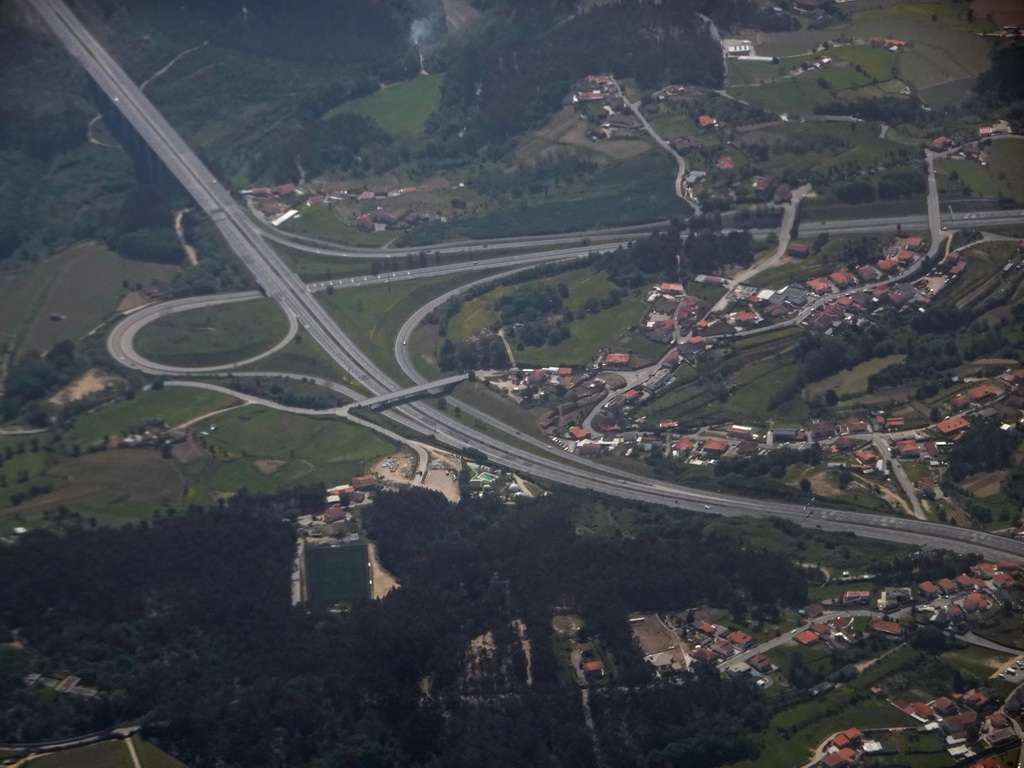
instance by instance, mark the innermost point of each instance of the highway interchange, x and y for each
(523, 453)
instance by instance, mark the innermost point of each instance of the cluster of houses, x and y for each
(845, 748)
(283, 202)
(973, 147)
(950, 602)
(340, 497)
(616, 118)
(155, 433)
(968, 721)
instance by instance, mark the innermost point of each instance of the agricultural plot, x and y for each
(262, 449)
(1004, 173)
(320, 221)
(213, 335)
(175, 405)
(372, 315)
(67, 296)
(399, 108)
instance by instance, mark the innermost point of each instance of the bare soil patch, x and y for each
(188, 452)
(823, 485)
(89, 382)
(524, 643)
(383, 581)
(268, 466)
(655, 637)
(114, 475)
(133, 300)
(398, 468)
(985, 483)
(444, 479)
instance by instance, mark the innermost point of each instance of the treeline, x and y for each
(892, 110)
(33, 376)
(1003, 83)
(894, 184)
(984, 447)
(184, 624)
(516, 73)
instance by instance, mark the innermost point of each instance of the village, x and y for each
(596, 410)
(856, 630)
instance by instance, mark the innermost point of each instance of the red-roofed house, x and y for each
(941, 143)
(844, 758)
(888, 628)
(843, 279)
(868, 273)
(617, 358)
(684, 445)
(820, 285)
(960, 402)
(928, 590)
(705, 121)
(888, 265)
(364, 483)
(982, 393)
(916, 243)
(593, 669)
(847, 738)
(800, 250)
(947, 586)
(908, 449)
(704, 654)
(1004, 580)
(762, 663)
(807, 638)
(952, 425)
(726, 163)
(741, 639)
(906, 256)
(579, 433)
(715, 446)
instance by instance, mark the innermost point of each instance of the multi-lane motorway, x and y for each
(522, 453)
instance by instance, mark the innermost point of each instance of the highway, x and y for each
(523, 454)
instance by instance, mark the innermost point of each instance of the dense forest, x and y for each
(185, 624)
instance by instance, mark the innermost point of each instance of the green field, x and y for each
(321, 222)
(795, 95)
(589, 335)
(211, 336)
(632, 191)
(855, 381)
(1003, 174)
(399, 108)
(106, 754)
(877, 63)
(305, 357)
(263, 449)
(83, 284)
(337, 574)
(152, 757)
(372, 315)
(173, 404)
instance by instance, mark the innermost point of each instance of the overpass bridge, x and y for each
(409, 393)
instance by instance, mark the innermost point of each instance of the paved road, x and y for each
(122, 336)
(537, 457)
(785, 229)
